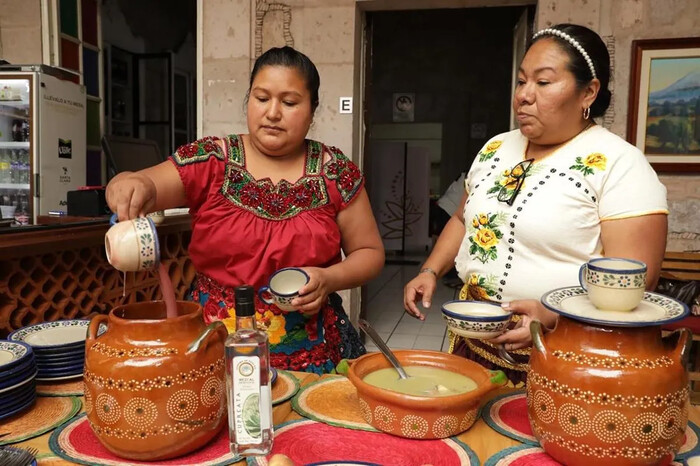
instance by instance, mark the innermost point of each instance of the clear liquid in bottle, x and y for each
(248, 382)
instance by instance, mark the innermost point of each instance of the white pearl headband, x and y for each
(572, 41)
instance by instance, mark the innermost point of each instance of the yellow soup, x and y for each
(421, 381)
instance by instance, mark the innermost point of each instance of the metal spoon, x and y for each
(364, 325)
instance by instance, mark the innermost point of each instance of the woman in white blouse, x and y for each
(541, 200)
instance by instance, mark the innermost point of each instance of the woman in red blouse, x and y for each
(267, 200)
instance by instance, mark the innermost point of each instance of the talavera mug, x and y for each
(614, 284)
(283, 287)
(132, 245)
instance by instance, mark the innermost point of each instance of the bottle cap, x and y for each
(245, 301)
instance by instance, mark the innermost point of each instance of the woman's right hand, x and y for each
(131, 195)
(421, 287)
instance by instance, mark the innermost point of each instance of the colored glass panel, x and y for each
(91, 72)
(93, 123)
(70, 55)
(88, 14)
(69, 17)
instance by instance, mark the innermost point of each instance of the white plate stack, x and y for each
(59, 348)
(17, 378)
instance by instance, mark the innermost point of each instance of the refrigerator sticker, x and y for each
(65, 148)
(65, 177)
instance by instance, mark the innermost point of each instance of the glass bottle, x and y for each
(248, 381)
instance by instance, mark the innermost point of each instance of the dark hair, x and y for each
(290, 58)
(596, 50)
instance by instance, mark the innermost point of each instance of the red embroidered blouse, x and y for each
(244, 229)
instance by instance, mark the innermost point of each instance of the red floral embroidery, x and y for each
(346, 174)
(198, 151)
(251, 195)
(302, 197)
(275, 204)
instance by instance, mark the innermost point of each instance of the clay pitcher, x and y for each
(154, 387)
(608, 395)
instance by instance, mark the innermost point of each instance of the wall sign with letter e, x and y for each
(345, 105)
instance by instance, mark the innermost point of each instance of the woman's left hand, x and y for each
(529, 309)
(314, 294)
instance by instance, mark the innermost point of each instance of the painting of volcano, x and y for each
(673, 106)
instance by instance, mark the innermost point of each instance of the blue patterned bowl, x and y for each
(475, 319)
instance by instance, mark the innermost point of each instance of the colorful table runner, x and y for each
(75, 441)
(507, 414)
(46, 414)
(333, 401)
(309, 442)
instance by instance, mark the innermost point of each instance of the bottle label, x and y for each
(246, 400)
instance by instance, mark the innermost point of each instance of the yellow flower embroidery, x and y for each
(275, 328)
(486, 238)
(474, 279)
(590, 163)
(596, 160)
(488, 151)
(492, 146)
(509, 182)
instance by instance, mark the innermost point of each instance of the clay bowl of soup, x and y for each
(442, 400)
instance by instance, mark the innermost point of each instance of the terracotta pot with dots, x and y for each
(608, 395)
(154, 387)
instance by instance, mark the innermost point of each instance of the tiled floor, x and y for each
(385, 311)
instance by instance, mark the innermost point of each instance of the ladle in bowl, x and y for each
(364, 325)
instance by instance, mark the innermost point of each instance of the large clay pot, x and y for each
(154, 387)
(422, 416)
(608, 395)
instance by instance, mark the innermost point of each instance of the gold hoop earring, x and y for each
(587, 113)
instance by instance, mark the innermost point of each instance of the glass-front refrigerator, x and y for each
(42, 141)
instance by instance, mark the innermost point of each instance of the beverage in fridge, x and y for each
(42, 141)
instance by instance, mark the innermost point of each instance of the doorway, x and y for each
(440, 80)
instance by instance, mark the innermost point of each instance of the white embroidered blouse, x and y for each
(554, 224)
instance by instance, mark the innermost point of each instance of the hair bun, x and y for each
(601, 103)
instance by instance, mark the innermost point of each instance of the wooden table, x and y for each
(481, 438)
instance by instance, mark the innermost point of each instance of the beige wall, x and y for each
(20, 31)
(322, 29)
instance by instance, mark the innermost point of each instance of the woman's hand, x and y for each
(530, 309)
(314, 294)
(421, 287)
(131, 195)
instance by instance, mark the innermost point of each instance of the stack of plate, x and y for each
(17, 377)
(59, 348)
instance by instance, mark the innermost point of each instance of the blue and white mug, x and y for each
(614, 283)
(283, 287)
(132, 245)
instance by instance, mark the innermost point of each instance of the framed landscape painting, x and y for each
(664, 103)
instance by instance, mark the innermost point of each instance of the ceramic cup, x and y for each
(132, 245)
(283, 287)
(614, 284)
(158, 216)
